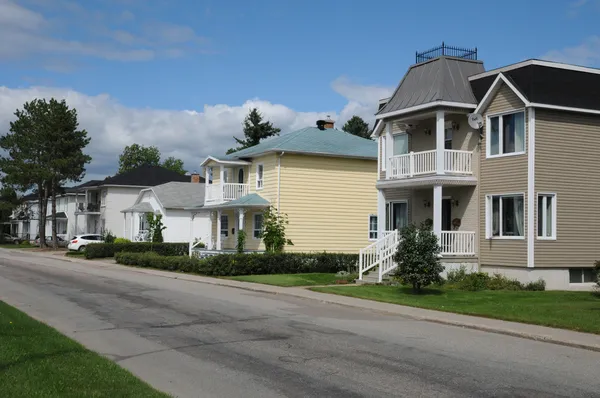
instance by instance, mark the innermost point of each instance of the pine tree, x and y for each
(357, 126)
(255, 130)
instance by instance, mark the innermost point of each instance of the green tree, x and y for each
(357, 126)
(155, 227)
(273, 231)
(174, 164)
(43, 150)
(136, 155)
(255, 130)
(418, 257)
(9, 201)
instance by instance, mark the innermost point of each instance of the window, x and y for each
(259, 176)
(372, 227)
(257, 226)
(383, 153)
(224, 225)
(400, 144)
(504, 218)
(397, 215)
(546, 216)
(225, 176)
(582, 275)
(209, 174)
(143, 222)
(103, 198)
(448, 138)
(506, 134)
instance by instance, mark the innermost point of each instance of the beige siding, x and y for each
(567, 164)
(328, 202)
(502, 175)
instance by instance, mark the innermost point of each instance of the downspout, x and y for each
(279, 180)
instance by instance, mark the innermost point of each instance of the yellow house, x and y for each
(322, 178)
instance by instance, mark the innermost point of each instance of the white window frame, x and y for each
(210, 175)
(254, 225)
(370, 230)
(488, 129)
(260, 182)
(545, 195)
(489, 217)
(383, 153)
(389, 213)
(224, 231)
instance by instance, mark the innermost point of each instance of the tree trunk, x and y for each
(42, 214)
(53, 195)
(416, 287)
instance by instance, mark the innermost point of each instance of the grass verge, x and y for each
(578, 311)
(13, 246)
(38, 361)
(289, 280)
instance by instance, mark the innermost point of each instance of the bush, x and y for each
(103, 250)
(121, 240)
(456, 275)
(597, 270)
(417, 257)
(475, 281)
(108, 237)
(245, 264)
(25, 243)
(537, 286)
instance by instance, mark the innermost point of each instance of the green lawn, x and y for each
(287, 280)
(568, 310)
(38, 361)
(13, 246)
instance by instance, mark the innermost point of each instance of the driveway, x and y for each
(199, 340)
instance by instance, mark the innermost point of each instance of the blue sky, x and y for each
(181, 72)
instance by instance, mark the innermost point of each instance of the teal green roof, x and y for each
(251, 200)
(312, 140)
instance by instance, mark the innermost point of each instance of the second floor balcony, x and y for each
(414, 164)
(220, 193)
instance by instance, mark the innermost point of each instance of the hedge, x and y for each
(102, 250)
(245, 264)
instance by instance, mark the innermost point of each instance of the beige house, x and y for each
(518, 196)
(322, 178)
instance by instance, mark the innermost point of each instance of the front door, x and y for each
(241, 176)
(397, 215)
(447, 214)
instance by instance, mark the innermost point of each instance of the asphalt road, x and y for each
(198, 340)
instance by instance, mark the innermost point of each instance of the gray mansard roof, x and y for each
(441, 79)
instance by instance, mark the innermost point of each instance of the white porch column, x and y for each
(389, 149)
(241, 214)
(124, 225)
(222, 182)
(437, 211)
(440, 126)
(76, 218)
(211, 220)
(191, 240)
(219, 247)
(381, 216)
(132, 217)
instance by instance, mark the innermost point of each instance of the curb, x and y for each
(330, 299)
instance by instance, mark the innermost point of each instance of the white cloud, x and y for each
(188, 134)
(586, 53)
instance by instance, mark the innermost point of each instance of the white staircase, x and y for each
(379, 257)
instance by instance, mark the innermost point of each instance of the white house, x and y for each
(171, 201)
(94, 206)
(99, 203)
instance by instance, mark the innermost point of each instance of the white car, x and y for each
(79, 242)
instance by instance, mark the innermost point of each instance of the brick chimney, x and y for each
(325, 124)
(196, 177)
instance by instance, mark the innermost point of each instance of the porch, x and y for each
(227, 220)
(227, 180)
(434, 143)
(135, 222)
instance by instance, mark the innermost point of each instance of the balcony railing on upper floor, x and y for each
(415, 164)
(219, 193)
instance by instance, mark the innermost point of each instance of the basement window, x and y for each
(582, 275)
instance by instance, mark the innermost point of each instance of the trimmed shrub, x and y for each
(475, 281)
(245, 264)
(456, 275)
(103, 250)
(121, 240)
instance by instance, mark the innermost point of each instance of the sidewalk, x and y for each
(533, 332)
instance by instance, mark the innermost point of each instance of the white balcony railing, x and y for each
(421, 163)
(457, 243)
(218, 193)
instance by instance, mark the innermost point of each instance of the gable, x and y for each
(505, 99)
